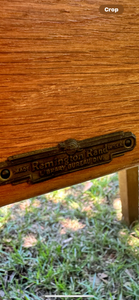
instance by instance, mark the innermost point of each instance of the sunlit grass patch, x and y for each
(105, 186)
(72, 225)
(69, 242)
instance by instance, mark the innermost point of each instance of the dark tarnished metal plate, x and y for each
(67, 157)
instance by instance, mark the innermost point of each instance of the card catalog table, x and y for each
(69, 72)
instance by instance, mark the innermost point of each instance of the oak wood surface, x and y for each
(66, 71)
(128, 182)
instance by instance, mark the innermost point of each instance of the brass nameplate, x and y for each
(66, 157)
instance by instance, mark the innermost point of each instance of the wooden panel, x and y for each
(66, 71)
(128, 180)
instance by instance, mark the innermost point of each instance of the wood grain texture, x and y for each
(128, 181)
(66, 71)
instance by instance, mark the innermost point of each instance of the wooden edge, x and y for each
(128, 182)
(14, 193)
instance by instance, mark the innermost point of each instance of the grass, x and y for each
(69, 242)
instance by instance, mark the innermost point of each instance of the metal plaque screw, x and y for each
(5, 174)
(128, 143)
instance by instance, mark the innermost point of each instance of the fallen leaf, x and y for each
(103, 276)
(36, 203)
(87, 186)
(72, 225)
(29, 241)
(8, 240)
(113, 255)
(23, 205)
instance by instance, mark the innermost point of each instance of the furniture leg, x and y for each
(128, 181)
